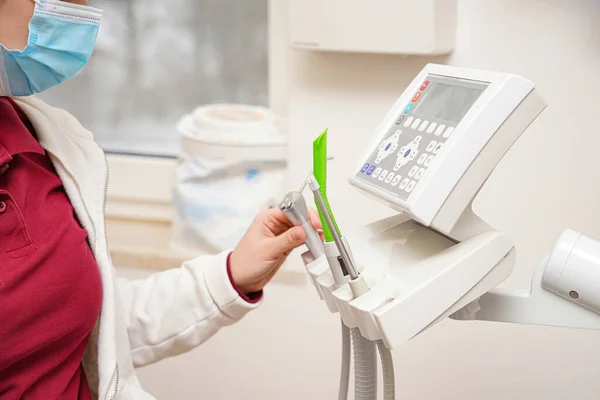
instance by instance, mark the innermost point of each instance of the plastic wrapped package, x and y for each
(232, 165)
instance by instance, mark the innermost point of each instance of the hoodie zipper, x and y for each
(56, 160)
(116, 374)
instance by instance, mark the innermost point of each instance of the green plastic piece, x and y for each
(320, 173)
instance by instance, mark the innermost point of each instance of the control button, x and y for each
(416, 96)
(371, 169)
(3, 207)
(422, 159)
(411, 186)
(407, 153)
(404, 183)
(418, 138)
(413, 171)
(396, 180)
(389, 177)
(415, 124)
(365, 168)
(388, 146)
(437, 148)
(383, 174)
(419, 173)
(408, 121)
(423, 126)
(431, 127)
(424, 85)
(408, 108)
(439, 130)
(448, 132)
(377, 172)
(431, 145)
(399, 120)
(428, 161)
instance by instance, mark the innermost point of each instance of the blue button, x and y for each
(388, 146)
(407, 153)
(365, 168)
(371, 169)
(408, 108)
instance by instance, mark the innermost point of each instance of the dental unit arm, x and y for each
(428, 159)
(565, 290)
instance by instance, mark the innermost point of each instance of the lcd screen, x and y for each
(447, 102)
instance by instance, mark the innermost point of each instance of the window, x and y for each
(157, 60)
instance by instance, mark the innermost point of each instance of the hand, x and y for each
(266, 244)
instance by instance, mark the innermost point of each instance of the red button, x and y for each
(3, 207)
(416, 96)
(424, 85)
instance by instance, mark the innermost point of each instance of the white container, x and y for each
(366, 26)
(232, 164)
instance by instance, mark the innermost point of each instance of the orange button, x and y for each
(416, 97)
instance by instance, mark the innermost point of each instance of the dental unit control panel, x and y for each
(436, 258)
(421, 130)
(441, 140)
(428, 159)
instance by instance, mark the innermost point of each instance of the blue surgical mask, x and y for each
(61, 41)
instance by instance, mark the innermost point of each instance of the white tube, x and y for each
(345, 373)
(365, 367)
(387, 366)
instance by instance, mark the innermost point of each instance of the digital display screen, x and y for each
(447, 102)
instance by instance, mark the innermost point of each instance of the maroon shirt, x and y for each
(50, 288)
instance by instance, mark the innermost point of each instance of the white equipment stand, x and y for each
(428, 159)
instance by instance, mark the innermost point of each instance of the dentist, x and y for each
(69, 328)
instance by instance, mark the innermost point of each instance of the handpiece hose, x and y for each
(344, 253)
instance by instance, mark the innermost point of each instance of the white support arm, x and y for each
(565, 290)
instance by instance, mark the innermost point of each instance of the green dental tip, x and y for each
(320, 173)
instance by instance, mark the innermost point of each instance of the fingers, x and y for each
(314, 218)
(275, 222)
(278, 224)
(287, 241)
(279, 216)
(316, 222)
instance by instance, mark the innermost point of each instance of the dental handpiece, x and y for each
(344, 253)
(294, 207)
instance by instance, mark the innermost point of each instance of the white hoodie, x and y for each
(141, 321)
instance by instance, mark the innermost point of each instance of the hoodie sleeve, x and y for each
(173, 311)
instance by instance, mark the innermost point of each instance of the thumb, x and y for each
(288, 241)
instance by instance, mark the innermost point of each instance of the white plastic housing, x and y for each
(573, 270)
(564, 290)
(416, 278)
(332, 253)
(366, 26)
(484, 134)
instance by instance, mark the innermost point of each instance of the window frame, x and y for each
(141, 186)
